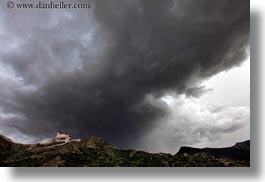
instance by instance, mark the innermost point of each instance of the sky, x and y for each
(149, 75)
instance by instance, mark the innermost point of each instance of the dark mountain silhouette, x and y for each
(240, 151)
(95, 151)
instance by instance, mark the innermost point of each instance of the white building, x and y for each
(62, 137)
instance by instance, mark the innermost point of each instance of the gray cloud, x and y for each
(102, 72)
(197, 91)
(194, 122)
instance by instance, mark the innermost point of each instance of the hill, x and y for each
(95, 152)
(240, 151)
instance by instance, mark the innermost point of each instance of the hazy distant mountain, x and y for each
(97, 152)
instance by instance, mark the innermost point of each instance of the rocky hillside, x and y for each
(94, 152)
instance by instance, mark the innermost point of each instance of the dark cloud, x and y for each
(101, 73)
(197, 91)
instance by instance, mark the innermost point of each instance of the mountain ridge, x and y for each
(96, 152)
(239, 151)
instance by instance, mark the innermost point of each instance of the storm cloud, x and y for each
(103, 71)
